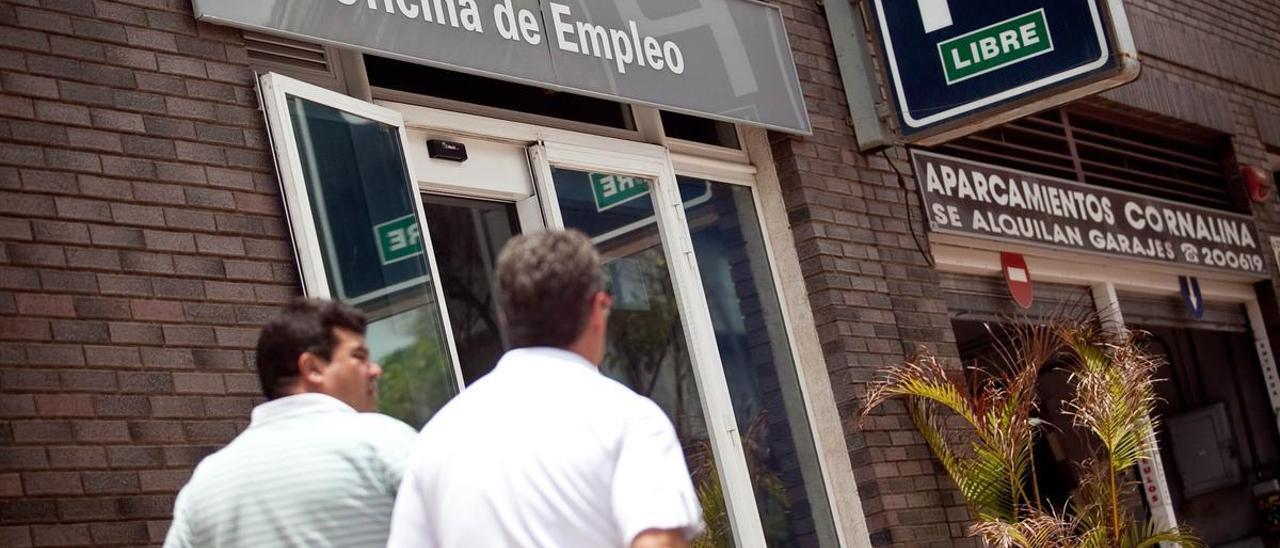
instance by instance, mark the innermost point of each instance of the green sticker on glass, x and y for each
(398, 239)
(611, 190)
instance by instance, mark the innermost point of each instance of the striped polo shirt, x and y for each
(309, 471)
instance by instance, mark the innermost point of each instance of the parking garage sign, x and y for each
(958, 66)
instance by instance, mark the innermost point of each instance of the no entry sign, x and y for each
(1018, 277)
(958, 66)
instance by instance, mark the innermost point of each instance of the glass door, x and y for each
(467, 237)
(660, 339)
(361, 236)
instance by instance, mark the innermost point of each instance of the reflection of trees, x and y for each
(416, 380)
(770, 491)
(645, 341)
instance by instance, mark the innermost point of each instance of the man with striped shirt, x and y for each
(316, 467)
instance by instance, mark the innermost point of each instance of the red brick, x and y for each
(29, 85)
(117, 120)
(23, 458)
(110, 483)
(133, 533)
(198, 383)
(169, 241)
(90, 380)
(68, 281)
(81, 508)
(177, 407)
(146, 383)
(164, 481)
(173, 288)
(112, 284)
(18, 405)
(96, 259)
(52, 483)
(55, 354)
(187, 335)
(18, 536)
(80, 331)
(36, 254)
(77, 457)
(121, 406)
(42, 431)
(135, 333)
(10, 485)
(168, 358)
(158, 310)
(61, 231)
(219, 245)
(154, 263)
(207, 267)
(61, 535)
(62, 113)
(135, 457)
(64, 405)
(24, 329)
(33, 304)
(94, 139)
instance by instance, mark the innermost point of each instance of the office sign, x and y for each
(975, 199)
(958, 66)
(725, 59)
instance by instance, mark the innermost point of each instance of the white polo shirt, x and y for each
(544, 451)
(309, 471)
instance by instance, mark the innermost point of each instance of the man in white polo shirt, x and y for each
(545, 451)
(315, 468)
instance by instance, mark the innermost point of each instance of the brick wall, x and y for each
(875, 298)
(141, 242)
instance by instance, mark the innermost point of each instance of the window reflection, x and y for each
(756, 354)
(374, 256)
(647, 350)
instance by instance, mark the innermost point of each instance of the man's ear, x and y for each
(311, 368)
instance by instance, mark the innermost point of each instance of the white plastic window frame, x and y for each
(274, 90)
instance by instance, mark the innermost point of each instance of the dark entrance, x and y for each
(467, 235)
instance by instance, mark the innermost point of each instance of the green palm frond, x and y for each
(990, 457)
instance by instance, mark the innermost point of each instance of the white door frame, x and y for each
(725, 166)
(275, 89)
(651, 162)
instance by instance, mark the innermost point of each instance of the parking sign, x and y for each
(958, 66)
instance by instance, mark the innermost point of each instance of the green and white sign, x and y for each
(959, 66)
(1000, 45)
(611, 190)
(398, 239)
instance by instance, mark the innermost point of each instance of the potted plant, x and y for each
(989, 455)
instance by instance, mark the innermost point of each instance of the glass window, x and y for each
(458, 86)
(699, 130)
(466, 236)
(646, 346)
(758, 365)
(374, 257)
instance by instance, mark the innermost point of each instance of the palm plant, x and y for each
(990, 457)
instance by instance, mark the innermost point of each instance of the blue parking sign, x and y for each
(957, 66)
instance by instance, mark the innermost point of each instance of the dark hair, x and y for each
(545, 284)
(305, 325)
